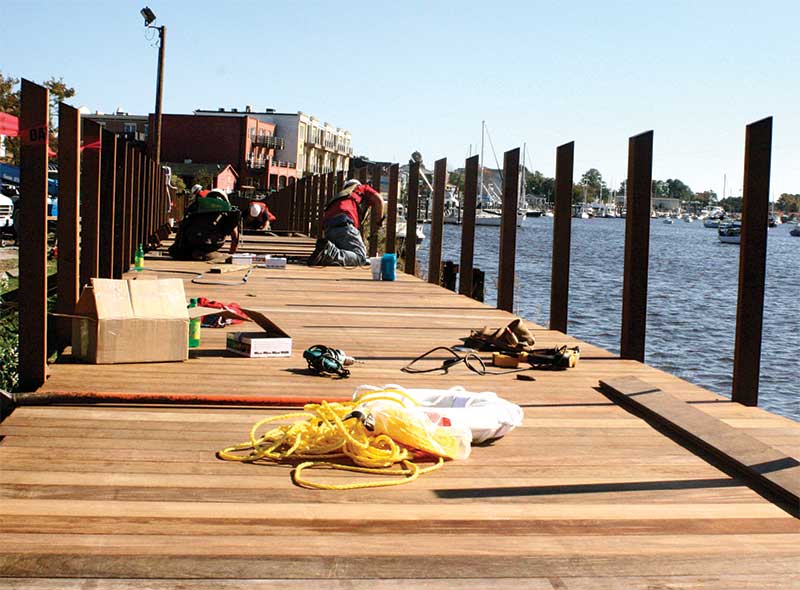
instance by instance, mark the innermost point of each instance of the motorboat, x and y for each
(795, 231)
(730, 233)
(495, 217)
(711, 222)
(401, 228)
(668, 220)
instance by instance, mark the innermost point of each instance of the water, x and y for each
(692, 291)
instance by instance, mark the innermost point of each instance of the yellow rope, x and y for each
(319, 433)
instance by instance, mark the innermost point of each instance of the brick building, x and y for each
(244, 142)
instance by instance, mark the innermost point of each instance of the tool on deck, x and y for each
(325, 360)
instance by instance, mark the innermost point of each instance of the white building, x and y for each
(312, 146)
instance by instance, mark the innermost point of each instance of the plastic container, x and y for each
(194, 327)
(138, 259)
(389, 267)
(375, 267)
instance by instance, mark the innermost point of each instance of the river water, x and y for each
(692, 291)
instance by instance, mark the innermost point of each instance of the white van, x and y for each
(6, 213)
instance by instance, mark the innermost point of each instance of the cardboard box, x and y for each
(273, 262)
(270, 343)
(132, 321)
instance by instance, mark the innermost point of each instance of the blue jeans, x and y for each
(347, 248)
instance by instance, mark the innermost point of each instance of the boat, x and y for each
(711, 222)
(495, 217)
(795, 231)
(401, 232)
(730, 233)
(668, 220)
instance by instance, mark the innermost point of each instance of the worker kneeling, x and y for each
(342, 244)
(205, 226)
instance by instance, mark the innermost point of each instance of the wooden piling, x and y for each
(90, 201)
(68, 224)
(468, 225)
(375, 218)
(411, 219)
(752, 262)
(637, 246)
(562, 230)
(391, 213)
(128, 247)
(108, 175)
(437, 222)
(508, 231)
(32, 235)
(120, 196)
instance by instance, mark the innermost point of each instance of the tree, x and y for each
(705, 198)
(10, 103)
(676, 189)
(456, 178)
(732, 204)
(789, 203)
(540, 185)
(593, 181)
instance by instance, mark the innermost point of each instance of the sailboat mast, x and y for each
(480, 188)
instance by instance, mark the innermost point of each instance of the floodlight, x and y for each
(148, 15)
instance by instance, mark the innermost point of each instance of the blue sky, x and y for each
(423, 74)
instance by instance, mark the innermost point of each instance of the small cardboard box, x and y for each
(132, 321)
(273, 262)
(272, 342)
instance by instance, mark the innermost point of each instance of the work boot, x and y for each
(319, 252)
(521, 331)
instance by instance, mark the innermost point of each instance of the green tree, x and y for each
(593, 181)
(203, 178)
(705, 198)
(732, 204)
(676, 189)
(540, 185)
(789, 203)
(10, 103)
(456, 178)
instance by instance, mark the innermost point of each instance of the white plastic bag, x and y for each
(486, 415)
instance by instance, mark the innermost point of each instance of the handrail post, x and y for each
(637, 246)
(508, 231)
(411, 219)
(32, 235)
(562, 230)
(468, 225)
(90, 200)
(374, 220)
(391, 213)
(752, 262)
(437, 222)
(68, 225)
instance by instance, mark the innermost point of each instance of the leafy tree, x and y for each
(594, 183)
(676, 189)
(789, 203)
(705, 198)
(457, 180)
(660, 189)
(732, 204)
(203, 178)
(10, 103)
(540, 185)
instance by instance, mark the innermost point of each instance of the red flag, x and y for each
(9, 125)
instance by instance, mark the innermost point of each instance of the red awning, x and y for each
(9, 125)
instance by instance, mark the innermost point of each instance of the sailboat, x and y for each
(483, 216)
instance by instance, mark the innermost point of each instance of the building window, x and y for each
(130, 128)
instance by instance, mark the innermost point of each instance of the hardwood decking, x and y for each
(583, 495)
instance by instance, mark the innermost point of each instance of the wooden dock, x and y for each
(585, 495)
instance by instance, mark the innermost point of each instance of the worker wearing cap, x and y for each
(199, 191)
(258, 216)
(342, 244)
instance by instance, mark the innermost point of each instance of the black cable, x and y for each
(468, 359)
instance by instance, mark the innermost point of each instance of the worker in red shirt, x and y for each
(199, 191)
(258, 216)
(342, 244)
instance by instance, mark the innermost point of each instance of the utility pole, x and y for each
(162, 34)
(149, 19)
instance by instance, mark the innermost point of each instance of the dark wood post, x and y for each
(32, 235)
(437, 222)
(637, 246)
(108, 178)
(411, 219)
(508, 231)
(374, 219)
(752, 262)
(468, 225)
(391, 213)
(128, 247)
(136, 218)
(323, 196)
(69, 171)
(449, 275)
(340, 180)
(120, 195)
(90, 201)
(562, 235)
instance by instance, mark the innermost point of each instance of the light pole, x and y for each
(149, 18)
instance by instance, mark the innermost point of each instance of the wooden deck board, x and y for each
(583, 495)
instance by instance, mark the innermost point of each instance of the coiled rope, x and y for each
(326, 431)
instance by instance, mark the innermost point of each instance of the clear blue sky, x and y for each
(423, 74)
